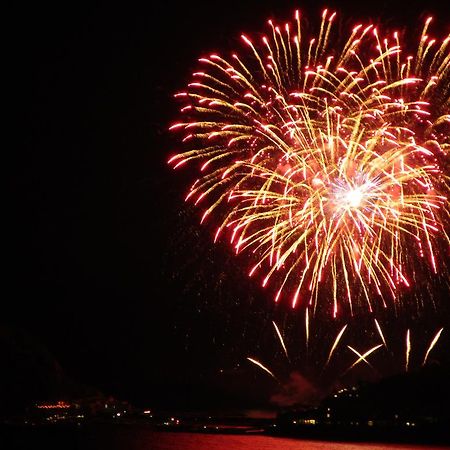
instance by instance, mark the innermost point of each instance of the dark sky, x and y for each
(105, 266)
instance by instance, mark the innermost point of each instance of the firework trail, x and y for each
(307, 327)
(324, 162)
(335, 344)
(362, 357)
(408, 349)
(254, 361)
(380, 332)
(281, 340)
(433, 343)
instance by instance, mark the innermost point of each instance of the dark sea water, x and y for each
(135, 438)
(188, 441)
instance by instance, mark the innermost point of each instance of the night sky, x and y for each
(108, 271)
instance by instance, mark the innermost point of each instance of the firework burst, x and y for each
(325, 162)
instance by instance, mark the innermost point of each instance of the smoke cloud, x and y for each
(298, 391)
